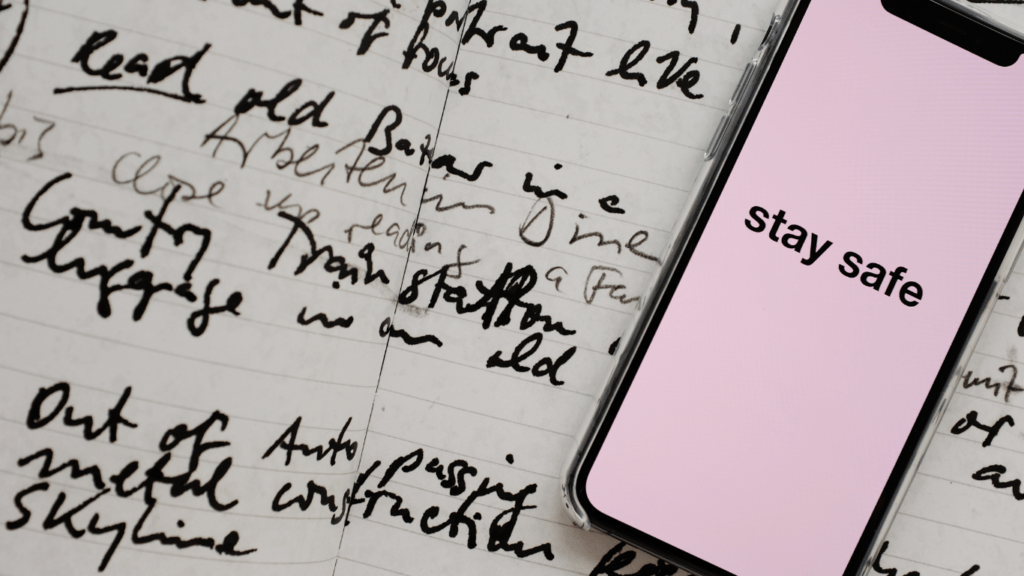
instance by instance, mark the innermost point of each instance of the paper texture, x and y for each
(484, 189)
(160, 277)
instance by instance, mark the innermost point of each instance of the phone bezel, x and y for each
(666, 287)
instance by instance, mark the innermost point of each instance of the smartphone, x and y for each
(858, 212)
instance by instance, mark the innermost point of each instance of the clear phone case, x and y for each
(1006, 16)
(718, 149)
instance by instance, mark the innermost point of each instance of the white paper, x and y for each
(434, 430)
(249, 376)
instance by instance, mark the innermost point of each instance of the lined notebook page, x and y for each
(194, 351)
(454, 462)
(574, 180)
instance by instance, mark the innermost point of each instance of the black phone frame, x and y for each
(662, 549)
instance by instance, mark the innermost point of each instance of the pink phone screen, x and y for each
(827, 288)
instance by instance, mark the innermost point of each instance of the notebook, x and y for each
(328, 287)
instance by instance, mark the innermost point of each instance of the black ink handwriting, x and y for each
(544, 367)
(499, 533)
(138, 65)
(609, 204)
(143, 281)
(320, 317)
(387, 329)
(376, 19)
(1009, 387)
(616, 559)
(299, 8)
(340, 445)
(332, 264)
(877, 565)
(447, 162)
(528, 186)
(994, 474)
(971, 421)
(439, 198)
(511, 286)
(37, 419)
(311, 110)
(117, 485)
(9, 51)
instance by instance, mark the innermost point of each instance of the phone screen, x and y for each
(821, 300)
